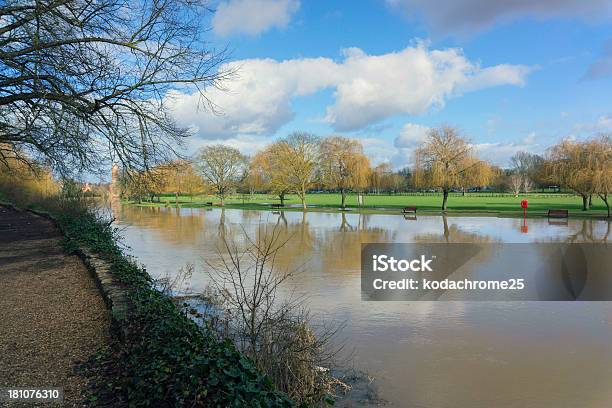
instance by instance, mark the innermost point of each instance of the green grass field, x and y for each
(495, 203)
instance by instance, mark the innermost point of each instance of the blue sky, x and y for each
(511, 75)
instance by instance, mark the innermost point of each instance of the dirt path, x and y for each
(52, 316)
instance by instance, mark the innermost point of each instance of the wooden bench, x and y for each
(409, 210)
(209, 203)
(276, 205)
(558, 213)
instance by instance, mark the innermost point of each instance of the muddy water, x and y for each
(423, 354)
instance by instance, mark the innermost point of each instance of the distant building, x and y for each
(114, 186)
(86, 188)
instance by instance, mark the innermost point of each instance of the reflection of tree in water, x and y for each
(342, 251)
(282, 218)
(587, 233)
(297, 234)
(221, 227)
(571, 269)
(453, 233)
(172, 225)
(335, 250)
(345, 226)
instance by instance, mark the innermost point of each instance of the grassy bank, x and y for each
(470, 203)
(163, 358)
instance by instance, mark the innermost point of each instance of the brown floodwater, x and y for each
(426, 353)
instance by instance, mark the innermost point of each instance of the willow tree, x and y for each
(601, 151)
(571, 164)
(268, 166)
(83, 82)
(222, 167)
(445, 160)
(343, 165)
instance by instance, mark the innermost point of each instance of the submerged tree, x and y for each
(85, 81)
(445, 160)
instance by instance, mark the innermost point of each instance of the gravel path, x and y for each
(52, 316)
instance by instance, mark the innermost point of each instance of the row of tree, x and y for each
(445, 161)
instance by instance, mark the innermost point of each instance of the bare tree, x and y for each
(343, 165)
(83, 82)
(528, 166)
(515, 183)
(300, 152)
(266, 321)
(222, 166)
(446, 160)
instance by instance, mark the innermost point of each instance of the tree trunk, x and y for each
(585, 203)
(590, 200)
(282, 199)
(445, 199)
(303, 201)
(604, 198)
(343, 194)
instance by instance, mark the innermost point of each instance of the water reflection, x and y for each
(426, 354)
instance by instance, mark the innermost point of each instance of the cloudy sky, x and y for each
(511, 75)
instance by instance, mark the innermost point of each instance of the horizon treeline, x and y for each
(445, 162)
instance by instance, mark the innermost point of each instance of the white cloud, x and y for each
(252, 16)
(409, 138)
(367, 89)
(500, 153)
(247, 144)
(601, 125)
(460, 16)
(378, 150)
(258, 101)
(411, 135)
(604, 122)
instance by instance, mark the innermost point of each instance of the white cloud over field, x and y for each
(366, 89)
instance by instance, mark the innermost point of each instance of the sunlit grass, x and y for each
(471, 202)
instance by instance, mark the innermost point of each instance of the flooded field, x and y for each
(422, 354)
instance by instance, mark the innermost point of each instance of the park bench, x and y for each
(409, 210)
(558, 213)
(276, 205)
(209, 203)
